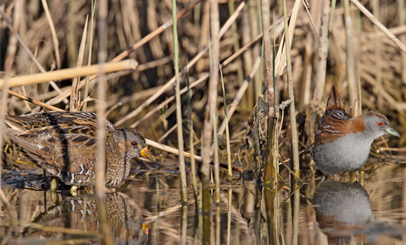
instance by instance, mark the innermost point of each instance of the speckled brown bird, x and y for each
(64, 144)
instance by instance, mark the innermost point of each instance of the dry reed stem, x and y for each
(89, 58)
(53, 32)
(230, 173)
(171, 149)
(211, 107)
(101, 96)
(216, 161)
(280, 60)
(323, 52)
(72, 231)
(75, 100)
(350, 55)
(101, 132)
(236, 41)
(385, 30)
(247, 57)
(179, 108)
(69, 73)
(306, 5)
(35, 102)
(269, 73)
(269, 85)
(292, 111)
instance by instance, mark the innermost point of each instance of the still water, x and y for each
(147, 210)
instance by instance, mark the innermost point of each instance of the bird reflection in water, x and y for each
(80, 213)
(344, 214)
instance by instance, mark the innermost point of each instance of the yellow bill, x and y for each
(147, 154)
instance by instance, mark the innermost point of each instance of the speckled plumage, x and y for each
(342, 143)
(64, 144)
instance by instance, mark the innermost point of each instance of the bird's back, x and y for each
(63, 143)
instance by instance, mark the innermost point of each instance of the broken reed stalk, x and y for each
(179, 107)
(208, 121)
(323, 52)
(351, 65)
(74, 98)
(268, 54)
(89, 59)
(230, 171)
(101, 133)
(292, 111)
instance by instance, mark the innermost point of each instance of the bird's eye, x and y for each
(133, 143)
(380, 124)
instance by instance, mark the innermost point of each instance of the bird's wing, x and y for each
(59, 148)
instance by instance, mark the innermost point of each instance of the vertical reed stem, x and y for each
(208, 122)
(268, 53)
(192, 148)
(295, 142)
(179, 107)
(216, 160)
(351, 70)
(323, 51)
(230, 171)
(89, 61)
(101, 133)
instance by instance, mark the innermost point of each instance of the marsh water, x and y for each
(147, 209)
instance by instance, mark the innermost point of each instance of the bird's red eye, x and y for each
(133, 143)
(380, 124)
